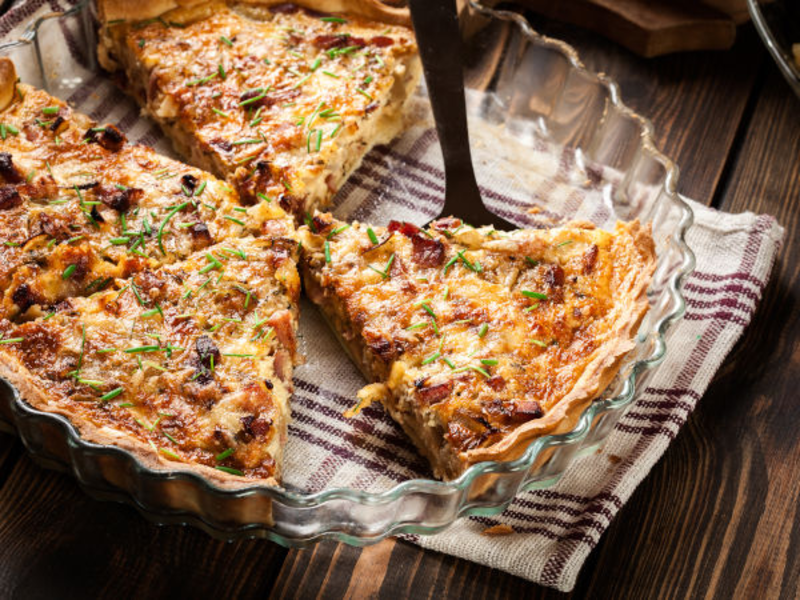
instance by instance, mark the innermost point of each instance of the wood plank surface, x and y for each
(56, 542)
(717, 514)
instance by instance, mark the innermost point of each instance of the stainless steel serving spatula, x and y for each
(440, 46)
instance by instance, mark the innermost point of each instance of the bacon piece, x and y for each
(381, 41)
(434, 393)
(284, 8)
(407, 229)
(526, 410)
(201, 236)
(9, 197)
(427, 252)
(24, 297)
(281, 322)
(254, 427)
(206, 349)
(496, 382)
(119, 200)
(189, 183)
(8, 169)
(109, 137)
(554, 275)
(589, 259)
(328, 41)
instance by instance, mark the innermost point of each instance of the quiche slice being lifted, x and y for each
(190, 363)
(282, 101)
(478, 340)
(80, 207)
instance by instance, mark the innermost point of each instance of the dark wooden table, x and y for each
(717, 516)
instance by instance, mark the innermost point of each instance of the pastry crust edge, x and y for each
(18, 376)
(8, 82)
(111, 10)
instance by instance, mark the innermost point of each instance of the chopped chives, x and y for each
(225, 40)
(68, 272)
(537, 295)
(419, 325)
(230, 471)
(170, 438)
(213, 264)
(329, 74)
(234, 355)
(539, 343)
(449, 362)
(327, 252)
(169, 453)
(234, 220)
(364, 93)
(138, 349)
(199, 189)
(333, 20)
(372, 237)
(221, 113)
(564, 243)
(166, 220)
(264, 197)
(315, 65)
(483, 330)
(489, 361)
(12, 340)
(253, 100)
(224, 454)
(431, 358)
(112, 394)
(50, 110)
(428, 309)
(531, 261)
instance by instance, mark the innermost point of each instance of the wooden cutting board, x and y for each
(651, 27)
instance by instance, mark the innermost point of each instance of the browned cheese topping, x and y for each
(193, 359)
(476, 330)
(282, 101)
(80, 207)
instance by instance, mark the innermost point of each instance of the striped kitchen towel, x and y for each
(555, 529)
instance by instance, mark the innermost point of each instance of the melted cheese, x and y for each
(282, 102)
(77, 210)
(136, 361)
(477, 332)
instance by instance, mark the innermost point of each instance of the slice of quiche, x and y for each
(80, 207)
(477, 340)
(189, 363)
(282, 101)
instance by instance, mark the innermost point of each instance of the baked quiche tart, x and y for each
(80, 207)
(281, 100)
(188, 363)
(476, 340)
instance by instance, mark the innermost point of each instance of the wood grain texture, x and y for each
(56, 542)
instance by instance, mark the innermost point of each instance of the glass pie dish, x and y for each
(530, 97)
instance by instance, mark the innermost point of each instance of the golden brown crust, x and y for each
(111, 10)
(8, 81)
(481, 341)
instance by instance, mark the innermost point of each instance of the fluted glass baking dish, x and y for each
(527, 92)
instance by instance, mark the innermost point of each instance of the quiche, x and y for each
(281, 100)
(80, 207)
(189, 363)
(478, 341)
